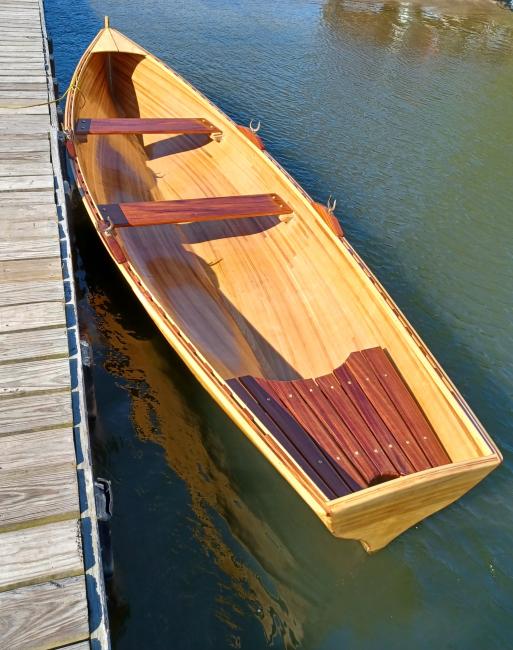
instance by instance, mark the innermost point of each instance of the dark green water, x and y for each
(404, 112)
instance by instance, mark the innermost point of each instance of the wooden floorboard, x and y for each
(38, 495)
(41, 553)
(32, 316)
(35, 344)
(39, 376)
(46, 615)
(54, 446)
(35, 412)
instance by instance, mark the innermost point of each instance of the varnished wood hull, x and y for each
(283, 300)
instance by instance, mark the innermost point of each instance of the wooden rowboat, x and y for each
(258, 290)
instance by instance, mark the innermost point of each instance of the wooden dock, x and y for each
(51, 584)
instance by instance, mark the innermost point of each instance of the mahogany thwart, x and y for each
(127, 125)
(152, 213)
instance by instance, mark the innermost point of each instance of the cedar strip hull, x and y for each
(282, 300)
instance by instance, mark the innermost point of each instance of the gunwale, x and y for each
(487, 457)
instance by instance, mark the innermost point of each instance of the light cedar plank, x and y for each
(35, 412)
(29, 249)
(18, 293)
(28, 212)
(31, 555)
(35, 316)
(37, 496)
(47, 615)
(37, 449)
(28, 198)
(24, 377)
(23, 168)
(34, 344)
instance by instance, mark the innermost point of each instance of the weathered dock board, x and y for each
(51, 586)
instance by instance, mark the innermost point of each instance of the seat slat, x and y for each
(337, 428)
(294, 403)
(407, 406)
(152, 213)
(364, 374)
(374, 422)
(279, 435)
(356, 423)
(298, 436)
(141, 126)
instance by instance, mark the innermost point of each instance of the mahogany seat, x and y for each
(351, 429)
(140, 126)
(153, 213)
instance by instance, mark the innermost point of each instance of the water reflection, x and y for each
(427, 28)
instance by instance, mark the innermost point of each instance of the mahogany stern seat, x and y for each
(349, 430)
(154, 213)
(141, 126)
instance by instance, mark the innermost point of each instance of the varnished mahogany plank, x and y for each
(286, 392)
(363, 372)
(255, 409)
(150, 213)
(296, 433)
(374, 422)
(124, 125)
(407, 406)
(337, 428)
(356, 424)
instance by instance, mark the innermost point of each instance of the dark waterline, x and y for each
(404, 113)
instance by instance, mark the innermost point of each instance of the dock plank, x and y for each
(42, 375)
(35, 412)
(53, 446)
(28, 198)
(31, 555)
(28, 211)
(35, 344)
(29, 249)
(45, 615)
(32, 316)
(37, 495)
(30, 280)
(25, 168)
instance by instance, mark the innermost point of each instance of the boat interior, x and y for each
(237, 254)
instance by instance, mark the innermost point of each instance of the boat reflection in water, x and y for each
(457, 27)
